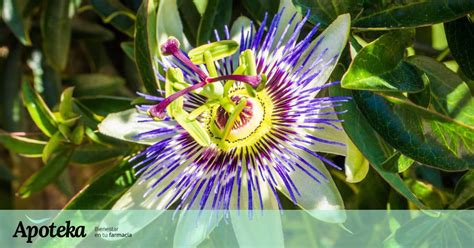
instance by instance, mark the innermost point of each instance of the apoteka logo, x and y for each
(67, 230)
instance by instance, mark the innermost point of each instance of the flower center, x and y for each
(242, 119)
(253, 122)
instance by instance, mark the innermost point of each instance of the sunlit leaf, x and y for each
(379, 66)
(22, 145)
(39, 112)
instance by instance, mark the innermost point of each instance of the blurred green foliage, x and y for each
(66, 64)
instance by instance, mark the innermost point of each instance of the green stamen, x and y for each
(233, 117)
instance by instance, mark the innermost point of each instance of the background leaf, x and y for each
(56, 32)
(46, 174)
(370, 143)
(464, 192)
(146, 45)
(385, 14)
(12, 16)
(460, 34)
(117, 14)
(104, 190)
(217, 15)
(96, 84)
(421, 134)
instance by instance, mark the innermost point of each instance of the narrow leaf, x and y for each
(11, 15)
(39, 112)
(24, 146)
(117, 14)
(106, 189)
(217, 15)
(46, 174)
(56, 32)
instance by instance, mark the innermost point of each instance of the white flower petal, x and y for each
(138, 197)
(125, 125)
(321, 200)
(331, 44)
(289, 10)
(194, 225)
(330, 134)
(264, 228)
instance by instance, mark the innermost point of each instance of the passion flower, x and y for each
(239, 122)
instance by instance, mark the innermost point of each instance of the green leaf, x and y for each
(11, 15)
(129, 48)
(385, 13)
(258, 8)
(86, 30)
(106, 189)
(460, 34)
(56, 32)
(117, 14)
(96, 84)
(449, 229)
(87, 116)
(427, 193)
(24, 146)
(464, 191)
(397, 163)
(450, 95)
(10, 82)
(379, 66)
(39, 112)
(146, 45)
(191, 18)
(104, 105)
(65, 106)
(53, 145)
(77, 135)
(217, 15)
(47, 173)
(95, 153)
(426, 136)
(370, 144)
